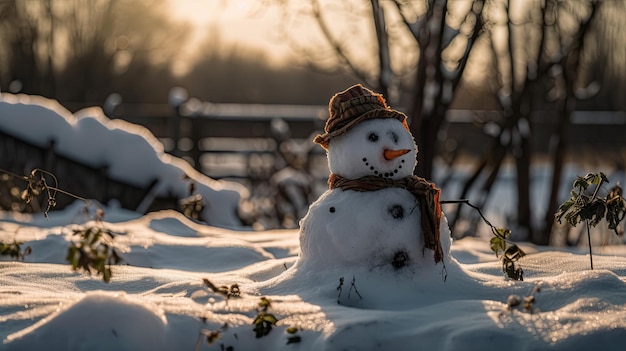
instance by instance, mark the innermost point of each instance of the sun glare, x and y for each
(241, 24)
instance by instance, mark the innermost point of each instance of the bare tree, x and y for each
(422, 50)
(74, 52)
(517, 41)
(20, 37)
(567, 67)
(542, 48)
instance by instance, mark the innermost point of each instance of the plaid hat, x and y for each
(352, 106)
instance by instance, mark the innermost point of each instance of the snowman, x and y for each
(376, 214)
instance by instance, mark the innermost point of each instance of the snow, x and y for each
(131, 152)
(351, 299)
(335, 234)
(160, 307)
(102, 321)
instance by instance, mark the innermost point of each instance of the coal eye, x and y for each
(400, 259)
(373, 137)
(396, 211)
(394, 137)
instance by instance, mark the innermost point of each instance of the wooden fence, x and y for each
(21, 157)
(591, 132)
(257, 131)
(194, 123)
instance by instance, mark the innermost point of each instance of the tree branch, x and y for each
(335, 44)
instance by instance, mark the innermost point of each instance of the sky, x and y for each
(241, 22)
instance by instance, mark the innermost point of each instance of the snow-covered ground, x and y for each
(158, 299)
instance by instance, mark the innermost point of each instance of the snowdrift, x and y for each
(130, 151)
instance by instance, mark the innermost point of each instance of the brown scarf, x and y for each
(425, 193)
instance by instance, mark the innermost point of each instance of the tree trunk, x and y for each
(384, 60)
(569, 64)
(522, 162)
(558, 159)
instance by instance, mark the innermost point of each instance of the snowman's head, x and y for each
(374, 147)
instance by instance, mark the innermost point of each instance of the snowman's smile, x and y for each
(389, 155)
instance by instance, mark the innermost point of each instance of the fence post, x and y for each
(174, 127)
(101, 184)
(177, 97)
(50, 156)
(195, 140)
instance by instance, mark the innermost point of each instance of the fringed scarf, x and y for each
(425, 193)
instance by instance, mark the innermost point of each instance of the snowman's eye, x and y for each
(394, 137)
(396, 211)
(373, 137)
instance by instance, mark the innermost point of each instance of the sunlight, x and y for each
(580, 317)
(241, 24)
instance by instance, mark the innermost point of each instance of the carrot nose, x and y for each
(391, 154)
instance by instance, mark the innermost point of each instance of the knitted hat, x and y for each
(352, 106)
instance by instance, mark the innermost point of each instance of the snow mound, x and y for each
(131, 152)
(99, 321)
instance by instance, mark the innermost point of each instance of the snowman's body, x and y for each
(384, 234)
(371, 229)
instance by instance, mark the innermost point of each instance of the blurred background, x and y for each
(508, 100)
